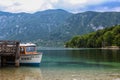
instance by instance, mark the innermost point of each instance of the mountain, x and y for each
(86, 22)
(31, 27)
(53, 27)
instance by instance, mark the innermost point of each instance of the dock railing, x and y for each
(9, 51)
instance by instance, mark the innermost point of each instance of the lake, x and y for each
(69, 64)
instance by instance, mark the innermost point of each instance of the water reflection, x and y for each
(85, 57)
(24, 73)
(97, 55)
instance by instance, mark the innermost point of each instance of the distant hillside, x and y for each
(101, 38)
(29, 27)
(53, 27)
(86, 22)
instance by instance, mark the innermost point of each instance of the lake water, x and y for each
(69, 64)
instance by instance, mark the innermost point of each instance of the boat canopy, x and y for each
(28, 48)
(28, 44)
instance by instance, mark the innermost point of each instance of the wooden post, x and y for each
(17, 57)
(0, 61)
(17, 63)
(3, 61)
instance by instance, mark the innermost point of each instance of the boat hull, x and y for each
(31, 59)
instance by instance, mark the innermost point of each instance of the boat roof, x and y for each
(27, 44)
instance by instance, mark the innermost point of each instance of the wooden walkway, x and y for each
(9, 52)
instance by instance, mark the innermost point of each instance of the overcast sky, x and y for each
(75, 6)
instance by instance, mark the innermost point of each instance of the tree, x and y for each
(99, 41)
(74, 41)
(116, 30)
(117, 40)
(108, 38)
(101, 38)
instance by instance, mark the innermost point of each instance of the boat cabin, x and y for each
(28, 48)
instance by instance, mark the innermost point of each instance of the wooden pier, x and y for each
(9, 53)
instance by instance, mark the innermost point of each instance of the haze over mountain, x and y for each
(53, 27)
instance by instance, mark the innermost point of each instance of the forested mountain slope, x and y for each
(101, 38)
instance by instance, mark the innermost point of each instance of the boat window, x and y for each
(30, 49)
(22, 50)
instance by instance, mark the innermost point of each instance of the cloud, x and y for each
(77, 5)
(107, 9)
(75, 2)
(32, 6)
(25, 5)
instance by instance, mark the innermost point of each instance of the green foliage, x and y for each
(108, 38)
(100, 38)
(117, 40)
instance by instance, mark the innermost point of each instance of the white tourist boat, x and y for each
(29, 55)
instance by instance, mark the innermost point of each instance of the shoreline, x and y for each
(111, 47)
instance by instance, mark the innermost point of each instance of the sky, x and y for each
(74, 6)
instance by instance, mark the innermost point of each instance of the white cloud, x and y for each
(39, 5)
(54, 1)
(76, 5)
(117, 9)
(74, 2)
(104, 9)
(86, 2)
(25, 5)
